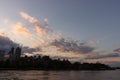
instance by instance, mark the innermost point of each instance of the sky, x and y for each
(79, 30)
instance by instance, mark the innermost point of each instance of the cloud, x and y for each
(40, 30)
(6, 43)
(93, 42)
(2, 33)
(113, 63)
(20, 29)
(117, 50)
(46, 21)
(43, 34)
(6, 21)
(62, 57)
(29, 18)
(71, 46)
(30, 50)
(102, 56)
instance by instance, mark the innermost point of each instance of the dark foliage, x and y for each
(45, 63)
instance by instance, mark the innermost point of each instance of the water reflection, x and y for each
(59, 75)
(46, 75)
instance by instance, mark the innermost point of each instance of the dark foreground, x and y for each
(46, 63)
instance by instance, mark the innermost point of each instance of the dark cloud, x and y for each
(30, 50)
(62, 57)
(72, 46)
(117, 50)
(103, 56)
(6, 44)
(113, 63)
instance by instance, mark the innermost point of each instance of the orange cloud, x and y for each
(40, 31)
(2, 33)
(27, 17)
(43, 35)
(19, 29)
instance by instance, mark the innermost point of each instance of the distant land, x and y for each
(15, 62)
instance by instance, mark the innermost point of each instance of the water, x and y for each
(60, 75)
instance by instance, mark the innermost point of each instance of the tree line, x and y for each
(47, 63)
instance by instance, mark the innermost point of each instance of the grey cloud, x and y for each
(103, 56)
(62, 57)
(30, 50)
(6, 44)
(72, 46)
(117, 50)
(113, 63)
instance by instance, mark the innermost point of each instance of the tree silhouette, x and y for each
(45, 63)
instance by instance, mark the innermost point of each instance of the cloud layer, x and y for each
(72, 46)
(102, 56)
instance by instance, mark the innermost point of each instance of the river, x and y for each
(60, 75)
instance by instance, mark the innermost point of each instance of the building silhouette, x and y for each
(15, 53)
(11, 53)
(2, 52)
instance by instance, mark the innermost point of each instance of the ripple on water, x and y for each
(59, 75)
